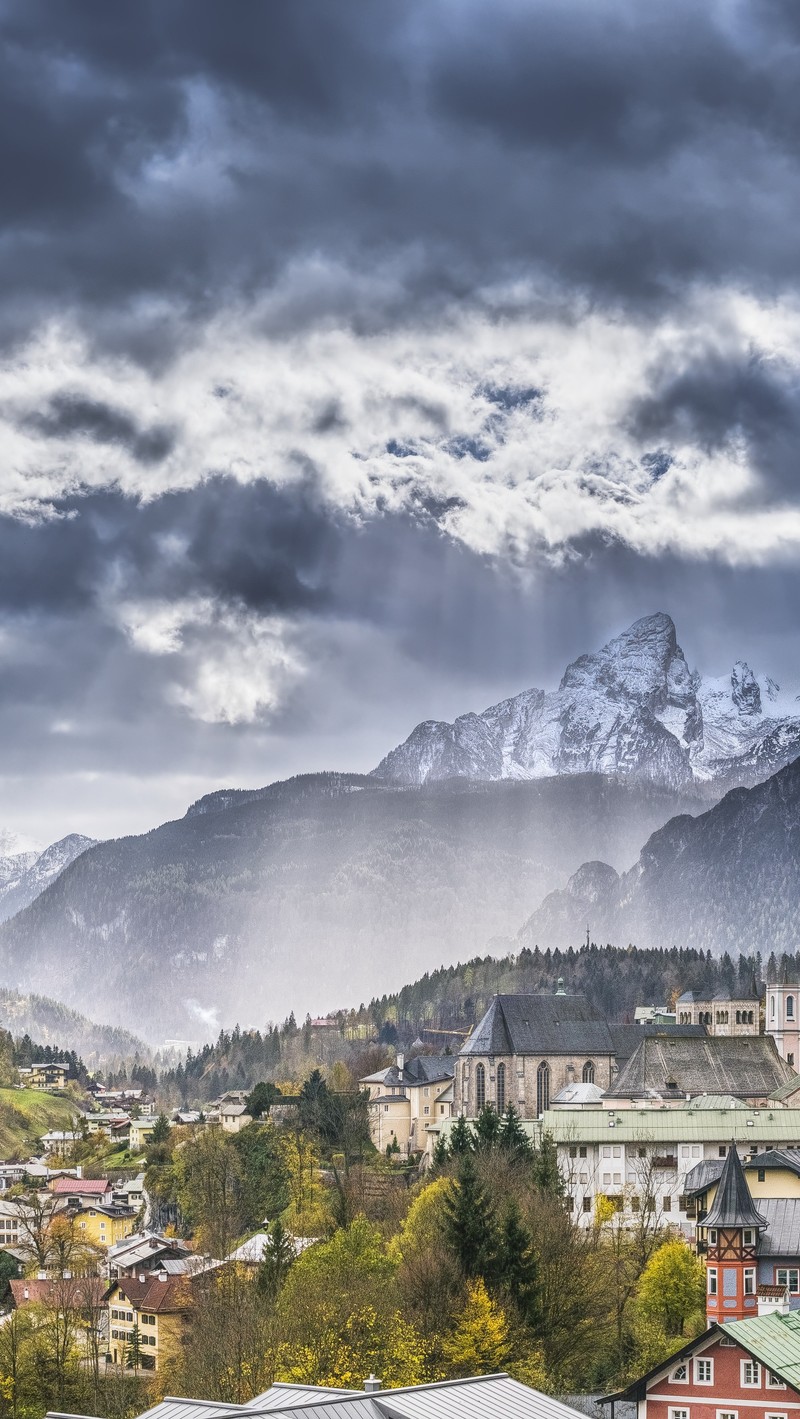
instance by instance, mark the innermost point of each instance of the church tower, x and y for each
(730, 1229)
(782, 1020)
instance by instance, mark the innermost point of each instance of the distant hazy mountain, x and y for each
(48, 1022)
(24, 874)
(312, 893)
(728, 880)
(632, 708)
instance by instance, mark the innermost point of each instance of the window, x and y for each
(727, 1414)
(636, 1204)
(788, 1276)
(426, 1091)
(386, 1108)
(712, 1237)
(666, 1204)
(678, 1414)
(606, 1150)
(762, 1175)
(427, 1109)
(774, 1416)
(441, 1108)
(704, 1372)
(582, 1152)
(749, 1236)
(501, 1088)
(680, 1375)
(775, 1381)
(751, 1374)
(588, 1072)
(641, 1152)
(772, 1006)
(723, 1150)
(749, 1281)
(711, 1274)
(790, 1007)
(587, 1204)
(543, 1087)
(480, 1087)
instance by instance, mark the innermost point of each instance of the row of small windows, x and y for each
(542, 1085)
(742, 1017)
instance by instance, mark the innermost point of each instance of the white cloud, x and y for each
(232, 666)
(383, 418)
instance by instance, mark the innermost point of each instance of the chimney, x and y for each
(162, 1276)
(142, 1277)
(372, 1385)
(401, 1060)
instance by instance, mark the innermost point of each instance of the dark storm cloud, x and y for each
(611, 147)
(73, 415)
(718, 399)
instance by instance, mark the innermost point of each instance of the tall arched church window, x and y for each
(790, 1007)
(543, 1087)
(501, 1088)
(480, 1087)
(588, 1072)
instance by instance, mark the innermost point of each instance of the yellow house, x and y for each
(141, 1128)
(146, 1319)
(102, 1224)
(773, 1173)
(407, 1098)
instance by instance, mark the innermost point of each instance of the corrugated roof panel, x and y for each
(473, 1399)
(286, 1396)
(674, 1125)
(774, 1340)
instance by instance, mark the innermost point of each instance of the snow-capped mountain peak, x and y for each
(633, 707)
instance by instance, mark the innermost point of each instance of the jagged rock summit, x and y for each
(633, 708)
(24, 874)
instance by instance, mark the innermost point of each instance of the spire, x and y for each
(733, 1205)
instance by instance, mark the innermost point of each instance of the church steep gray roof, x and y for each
(669, 1066)
(540, 1024)
(733, 1206)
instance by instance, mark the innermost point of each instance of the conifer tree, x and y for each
(470, 1225)
(440, 1153)
(462, 1139)
(517, 1269)
(487, 1128)
(546, 1173)
(279, 1255)
(512, 1138)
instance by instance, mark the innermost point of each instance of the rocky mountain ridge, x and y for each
(726, 880)
(633, 708)
(23, 875)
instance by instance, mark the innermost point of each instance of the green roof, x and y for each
(780, 1127)
(786, 1090)
(773, 1339)
(715, 1101)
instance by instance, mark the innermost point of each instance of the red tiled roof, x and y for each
(80, 1187)
(78, 1291)
(174, 1294)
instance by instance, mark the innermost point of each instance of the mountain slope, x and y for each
(632, 708)
(24, 875)
(728, 880)
(310, 892)
(48, 1022)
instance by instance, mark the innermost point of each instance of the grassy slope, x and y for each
(25, 1114)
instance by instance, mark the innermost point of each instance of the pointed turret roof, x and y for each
(733, 1205)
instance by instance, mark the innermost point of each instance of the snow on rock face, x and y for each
(631, 708)
(24, 875)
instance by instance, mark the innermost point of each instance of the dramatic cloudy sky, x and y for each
(363, 363)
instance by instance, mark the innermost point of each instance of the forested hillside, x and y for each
(443, 1005)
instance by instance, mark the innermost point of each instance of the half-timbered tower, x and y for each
(730, 1231)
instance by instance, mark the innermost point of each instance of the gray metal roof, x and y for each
(540, 1024)
(782, 1235)
(289, 1396)
(484, 1397)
